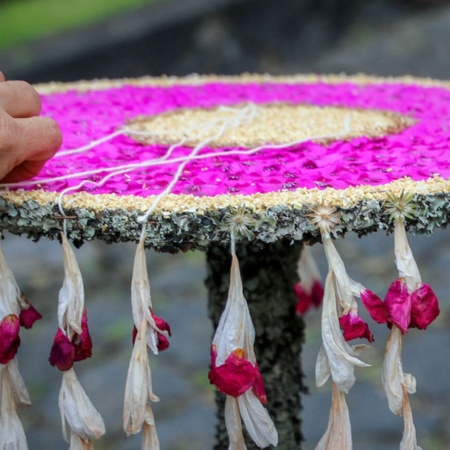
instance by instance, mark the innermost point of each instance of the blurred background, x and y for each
(47, 40)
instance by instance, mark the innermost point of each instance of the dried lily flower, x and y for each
(309, 289)
(72, 342)
(340, 357)
(340, 323)
(235, 372)
(409, 303)
(15, 311)
(141, 304)
(138, 389)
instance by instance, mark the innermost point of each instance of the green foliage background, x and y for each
(23, 21)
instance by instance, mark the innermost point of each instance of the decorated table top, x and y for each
(195, 156)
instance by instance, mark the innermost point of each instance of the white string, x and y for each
(91, 145)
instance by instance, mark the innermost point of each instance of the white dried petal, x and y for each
(141, 301)
(140, 287)
(77, 410)
(9, 291)
(12, 436)
(338, 435)
(392, 374)
(257, 421)
(409, 440)
(341, 356)
(17, 384)
(138, 387)
(234, 424)
(76, 443)
(235, 329)
(71, 294)
(322, 367)
(404, 259)
(342, 280)
(150, 439)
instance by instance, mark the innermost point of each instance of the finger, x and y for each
(19, 99)
(36, 140)
(2, 76)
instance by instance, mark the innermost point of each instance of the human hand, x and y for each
(26, 140)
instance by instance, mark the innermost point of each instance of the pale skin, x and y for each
(27, 141)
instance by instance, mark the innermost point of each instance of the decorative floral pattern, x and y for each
(419, 151)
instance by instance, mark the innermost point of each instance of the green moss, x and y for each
(173, 232)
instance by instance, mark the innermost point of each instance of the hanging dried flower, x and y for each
(409, 303)
(72, 342)
(138, 389)
(235, 372)
(141, 303)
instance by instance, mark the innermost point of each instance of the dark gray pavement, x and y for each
(185, 415)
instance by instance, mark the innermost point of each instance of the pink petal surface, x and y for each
(375, 306)
(62, 353)
(9, 338)
(27, 317)
(424, 307)
(398, 304)
(236, 375)
(419, 151)
(83, 343)
(354, 327)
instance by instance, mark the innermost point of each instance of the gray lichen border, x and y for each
(190, 230)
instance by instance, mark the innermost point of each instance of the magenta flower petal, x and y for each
(258, 387)
(161, 324)
(304, 300)
(235, 376)
(354, 327)
(424, 307)
(28, 316)
(375, 306)
(62, 354)
(398, 304)
(163, 342)
(317, 293)
(9, 338)
(82, 344)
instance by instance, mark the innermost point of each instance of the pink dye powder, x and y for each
(419, 151)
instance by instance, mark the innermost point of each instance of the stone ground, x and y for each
(383, 40)
(185, 415)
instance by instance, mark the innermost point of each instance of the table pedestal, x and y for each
(268, 276)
